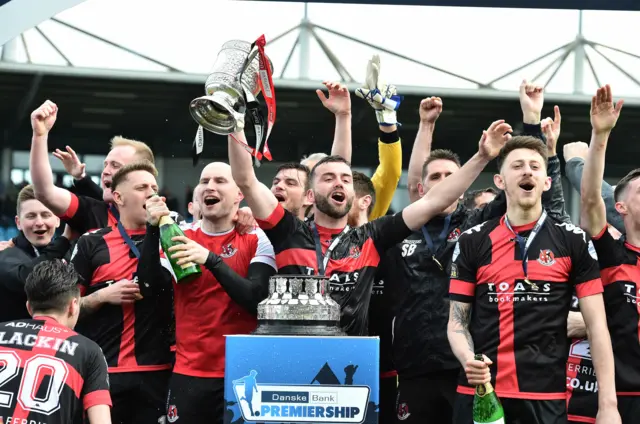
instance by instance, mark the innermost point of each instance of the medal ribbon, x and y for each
(525, 244)
(265, 81)
(323, 260)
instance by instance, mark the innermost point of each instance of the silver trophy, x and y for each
(222, 110)
(299, 305)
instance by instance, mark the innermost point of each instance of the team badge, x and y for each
(546, 258)
(454, 235)
(403, 411)
(454, 271)
(172, 414)
(228, 251)
(354, 252)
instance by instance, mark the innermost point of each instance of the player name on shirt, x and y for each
(507, 323)
(32, 340)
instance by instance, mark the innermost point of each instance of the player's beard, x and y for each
(324, 206)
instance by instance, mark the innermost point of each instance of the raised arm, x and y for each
(55, 198)
(430, 109)
(451, 188)
(258, 196)
(385, 179)
(604, 116)
(339, 103)
(574, 157)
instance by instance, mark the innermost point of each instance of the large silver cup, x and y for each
(299, 305)
(222, 110)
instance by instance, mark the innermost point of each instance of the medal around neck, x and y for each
(299, 305)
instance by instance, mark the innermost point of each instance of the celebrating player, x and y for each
(511, 287)
(49, 372)
(618, 258)
(328, 246)
(223, 300)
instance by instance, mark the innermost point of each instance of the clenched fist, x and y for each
(43, 118)
(430, 109)
(156, 209)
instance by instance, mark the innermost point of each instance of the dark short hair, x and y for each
(622, 185)
(363, 186)
(298, 167)
(51, 285)
(439, 154)
(24, 195)
(122, 173)
(328, 159)
(522, 142)
(470, 198)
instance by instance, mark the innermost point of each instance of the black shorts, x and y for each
(426, 399)
(387, 403)
(196, 400)
(138, 397)
(629, 408)
(516, 411)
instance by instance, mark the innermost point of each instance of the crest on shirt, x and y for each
(172, 414)
(228, 251)
(454, 271)
(454, 235)
(546, 258)
(403, 411)
(580, 349)
(354, 252)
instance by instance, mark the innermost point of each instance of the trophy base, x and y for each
(298, 328)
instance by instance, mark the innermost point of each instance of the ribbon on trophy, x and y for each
(198, 143)
(254, 111)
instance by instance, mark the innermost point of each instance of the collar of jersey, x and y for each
(199, 225)
(329, 230)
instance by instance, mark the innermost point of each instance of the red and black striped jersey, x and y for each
(88, 214)
(49, 373)
(520, 326)
(205, 313)
(134, 337)
(353, 263)
(621, 280)
(582, 386)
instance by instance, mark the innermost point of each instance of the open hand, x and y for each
(43, 118)
(188, 251)
(71, 163)
(494, 138)
(604, 114)
(551, 131)
(124, 291)
(339, 101)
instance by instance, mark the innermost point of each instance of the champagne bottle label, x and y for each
(498, 421)
(484, 389)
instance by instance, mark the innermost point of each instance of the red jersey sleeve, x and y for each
(85, 213)
(585, 272)
(464, 267)
(279, 226)
(96, 380)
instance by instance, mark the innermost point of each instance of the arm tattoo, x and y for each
(461, 315)
(89, 304)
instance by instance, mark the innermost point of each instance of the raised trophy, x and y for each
(299, 305)
(233, 81)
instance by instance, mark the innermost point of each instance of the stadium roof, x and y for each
(444, 47)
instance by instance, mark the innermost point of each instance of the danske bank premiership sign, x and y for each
(282, 403)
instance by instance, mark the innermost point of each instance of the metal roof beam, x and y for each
(186, 78)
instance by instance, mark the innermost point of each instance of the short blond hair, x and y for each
(141, 165)
(143, 151)
(25, 194)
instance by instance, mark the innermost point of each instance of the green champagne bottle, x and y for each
(168, 230)
(487, 408)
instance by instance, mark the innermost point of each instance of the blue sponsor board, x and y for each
(276, 379)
